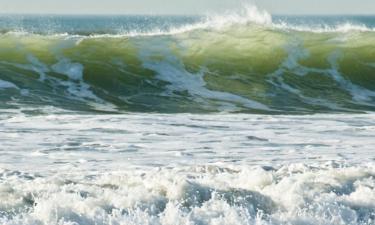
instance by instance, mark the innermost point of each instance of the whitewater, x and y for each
(237, 118)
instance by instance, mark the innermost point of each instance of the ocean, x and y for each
(236, 118)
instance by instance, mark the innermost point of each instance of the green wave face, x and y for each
(242, 68)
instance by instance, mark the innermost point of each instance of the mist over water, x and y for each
(238, 118)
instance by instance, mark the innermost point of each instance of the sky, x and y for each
(184, 6)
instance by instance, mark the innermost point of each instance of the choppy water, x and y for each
(231, 119)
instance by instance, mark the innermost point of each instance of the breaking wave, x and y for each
(236, 62)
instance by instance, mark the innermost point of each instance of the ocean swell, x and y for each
(242, 62)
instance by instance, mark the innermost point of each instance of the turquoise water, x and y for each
(240, 63)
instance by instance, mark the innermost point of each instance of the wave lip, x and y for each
(133, 26)
(345, 27)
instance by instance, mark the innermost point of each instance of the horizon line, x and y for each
(171, 14)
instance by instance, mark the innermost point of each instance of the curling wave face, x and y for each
(245, 62)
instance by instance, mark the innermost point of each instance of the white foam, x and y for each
(294, 194)
(252, 139)
(234, 169)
